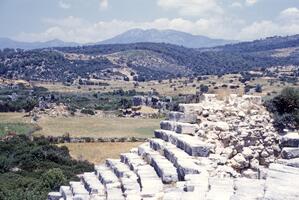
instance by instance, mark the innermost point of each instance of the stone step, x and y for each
(190, 144)
(289, 162)
(184, 163)
(290, 140)
(282, 183)
(150, 183)
(182, 117)
(110, 181)
(54, 196)
(220, 188)
(179, 127)
(93, 184)
(290, 152)
(127, 177)
(191, 108)
(164, 168)
(198, 184)
(78, 190)
(248, 189)
(66, 192)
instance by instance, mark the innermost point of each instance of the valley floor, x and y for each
(98, 152)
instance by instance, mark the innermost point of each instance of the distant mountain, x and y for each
(165, 36)
(9, 43)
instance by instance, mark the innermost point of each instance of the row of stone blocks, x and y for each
(290, 151)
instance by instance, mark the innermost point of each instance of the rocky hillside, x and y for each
(146, 61)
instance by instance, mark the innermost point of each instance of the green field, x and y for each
(86, 126)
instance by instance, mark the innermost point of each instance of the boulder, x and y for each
(290, 152)
(222, 126)
(290, 140)
(239, 162)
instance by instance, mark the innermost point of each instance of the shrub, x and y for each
(285, 108)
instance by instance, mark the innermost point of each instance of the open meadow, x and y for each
(85, 126)
(97, 152)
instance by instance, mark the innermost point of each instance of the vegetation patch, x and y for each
(285, 108)
(31, 169)
(17, 128)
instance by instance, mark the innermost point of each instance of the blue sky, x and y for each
(95, 20)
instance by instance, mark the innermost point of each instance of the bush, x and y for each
(258, 88)
(31, 169)
(285, 108)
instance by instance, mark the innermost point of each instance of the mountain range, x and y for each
(129, 37)
(166, 36)
(9, 43)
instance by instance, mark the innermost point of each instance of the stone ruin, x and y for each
(214, 150)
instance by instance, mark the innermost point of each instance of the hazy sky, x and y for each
(94, 20)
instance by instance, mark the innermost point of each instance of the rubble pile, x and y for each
(241, 130)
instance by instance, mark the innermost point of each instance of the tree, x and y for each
(204, 88)
(258, 88)
(53, 178)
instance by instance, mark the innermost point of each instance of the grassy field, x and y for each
(97, 152)
(97, 126)
(88, 126)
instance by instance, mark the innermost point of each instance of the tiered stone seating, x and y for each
(93, 184)
(190, 144)
(128, 178)
(290, 151)
(150, 183)
(79, 191)
(164, 168)
(110, 181)
(184, 163)
(179, 127)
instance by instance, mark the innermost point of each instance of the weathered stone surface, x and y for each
(290, 140)
(289, 162)
(248, 189)
(54, 196)
(220, 189)
(191, 108)
(182, 117)
(163, 167)
(189, 144)
(78, 188)
(66, 192)
(222, 126)
(281, 183)
(93, 184)
(289, 153)
(186, 128)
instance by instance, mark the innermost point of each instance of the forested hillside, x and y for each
(148, 60)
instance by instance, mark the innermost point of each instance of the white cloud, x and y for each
(64, 5)
(104, 4)
(251, 2)
(236, 5)
(192, 7)
(218, 26)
